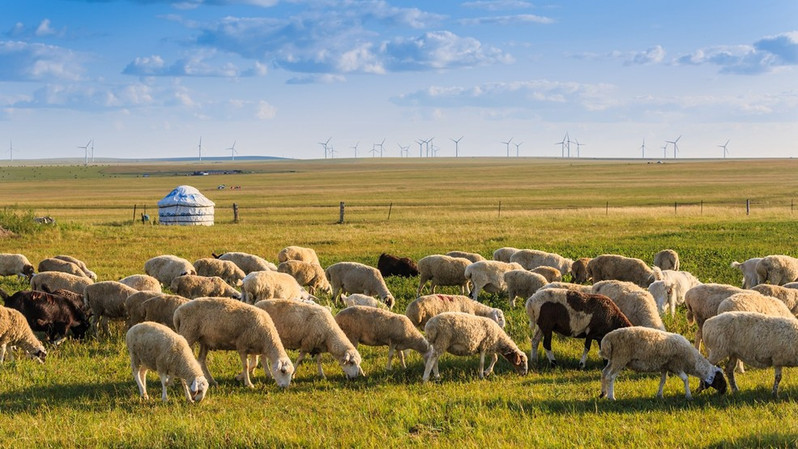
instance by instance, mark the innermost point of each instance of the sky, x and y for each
(153, 78)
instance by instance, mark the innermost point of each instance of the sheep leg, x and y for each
(609, 379)
(583, 360)
(402, 359)
(432, 362)
(547, 347)
(391, 348)
(482, 364)
(777, 380)
(421, 283)
(164, 384)
(245, 368)
(475, 292)
(104, 325)
(318, 364)
(140, 376)
(3, 352)
(492, 364)
(201, 358)
(740, 367)
(186, 390)
(533, 353)
(298, 361)
(730, 373)
(662, 380)
(686, 379)
(698, 337)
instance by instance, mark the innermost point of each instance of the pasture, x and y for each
(85, 395)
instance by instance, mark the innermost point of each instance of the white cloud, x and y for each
(498, 5)
(507, 20)
(763, 56)
(198, 64)
(22, 61)
(265, 111)
(439, 50)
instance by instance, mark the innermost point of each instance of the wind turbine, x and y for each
(332, 152)
(421, 143)
(643, 148)
(381, 145)
(373, 150)
(517, 146)
(10, 150)
(665, 150)
(324, 144)
(507, 146)
(725, 151)
(675, 148)
(428, 142)
(355, 148)
(199, 149)
(562, 145)
(457, 146)
(578, 146)
(86, 153)
(92, 151)
(233, 151)
(404, 150)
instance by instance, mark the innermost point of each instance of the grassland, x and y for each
(84, 395)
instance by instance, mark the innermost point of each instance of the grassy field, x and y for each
(85, 395)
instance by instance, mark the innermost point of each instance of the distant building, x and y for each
(186, 206)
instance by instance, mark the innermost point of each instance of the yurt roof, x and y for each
(185, 196)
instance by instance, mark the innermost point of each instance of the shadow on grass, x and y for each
(758, 440)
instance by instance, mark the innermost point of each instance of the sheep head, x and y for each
(39, 354)
(390, 301)
(282, 372)
(497, 315)
(198, 388)
(350, 363)
(519, 361)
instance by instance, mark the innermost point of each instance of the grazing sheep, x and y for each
(550, 273)
(778, 270)
(51, 281)
(80, 264)
(637, 304)
(306, 274)
(442, 270)
(53, 264)
(504, 254)
(579, 270)
(667, 259)
(353, 277)
(522, 283)
(473, 257)
(613, 266)
(530, 258)
(702, 303)
(311, 329)
(390, 265)
(376, 327)
(11, 264)
(167, 267)
(260, 285)
(464, 334)
(14, 331)
(670, 287)
(161, 309)
(356, 299)
(135, 313)
(651, 350)
(789, 296)
(107, 301)
(488, 275)
(298, 253)
(748, 268)
(225, 269)
(153, 346)
(53, 314)
(192, 286)
(142, 283)
(587, 289)
(571, 314)
(756, 339)
(751, 301)
(425, 307)
(235, 327)
(247, 262)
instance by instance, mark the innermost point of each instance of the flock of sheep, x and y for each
(241, 302)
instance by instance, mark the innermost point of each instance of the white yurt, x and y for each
(185, 206)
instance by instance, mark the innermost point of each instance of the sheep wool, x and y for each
(473, 257)
(488, 275)
(752, 301)
(306, 274)
(260, 285)
(425, 307)
(353, 277)
(523, 283)
(142, 283)
(15, 331)
(225, 269)
(356, 299)
(167, 267)
(107, 302)
(247, 262)
(789, 296)
(667, 259)
(442, 270)
(193, 286)
(15, 264)
(702, 303)
(637, 304)
(748, 268)
(613, 266)
(53, 264)
(298, 253)
(79, 263)
(778, 270)
(51, 281)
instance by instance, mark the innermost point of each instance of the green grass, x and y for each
(85, 395)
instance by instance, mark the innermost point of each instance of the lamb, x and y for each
(235, 326)
(260, 285)
(637, 304)
(298, 253)
(748, 269)
(789, 296)
(464, 334)
(161, 309)
(225, 269)
(778, 270)
(651, 350)
(670, 287)
(613, 266)
(425, 307)
(50, 313)
(353, 277)
(702, 303)
(88, 273)
(442, 270)
(142, 283)
(311, 329)
(390, 265)
(107, 301)
(53, 264)
(473, 257)
(522, 283)
(503, 254)
(167, 267)
(667, 259)
(356, 299)
(247, 262)
(550, 273)
(14, 331)
(751, 301)
(15, 264)
(571, 314)
(488, 275)
(306, 274)
(756, 339)
(377, 327)
(153, 346)
(530, 258)
(51, 281)
(579, 270)
(192, 286)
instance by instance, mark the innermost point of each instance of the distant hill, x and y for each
(112, 160)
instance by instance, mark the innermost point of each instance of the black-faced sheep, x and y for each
(390, 265)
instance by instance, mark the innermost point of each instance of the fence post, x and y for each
(235, 212)
(702, 207)
(389, 211)
(341, 213)
(792, 205)
(747, 207)
(607, 209)
(134, 214)
(500, 209)
(674, 207)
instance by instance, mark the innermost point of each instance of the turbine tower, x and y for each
(233, 151)
(355, 148)
(373, 150)
(675, 148)
(326, 148)
(725, 150)
(404, 151)
(665, 151)
(199, 149)
(428, 142)
(92, 150)
(643, 148)
(562, 144)
(507, 146)
(85, 153)
(517, 146)
(457, 146)
(381, 145)
(578, 146)
(332, 152)
(421, 143)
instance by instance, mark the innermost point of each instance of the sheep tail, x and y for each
(735, 264)
(605, 349)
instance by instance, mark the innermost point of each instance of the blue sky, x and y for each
(149, 78)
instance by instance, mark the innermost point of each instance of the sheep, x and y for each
(550, 273)
(571, 314)
(14, 331)
(464, 334)
(637, 304)
(107, 301)
(522, 283)
(90, 274)
(530, 258)
(503, 254)
(353, 277)
(247, 262)
(225, 269)
(153, 346)
(702, 304)
(50, 313)
(488, 275)
(192, 286)
(789, 296)
(260, 285)
(790, 285)
(473, 257)
(306, 274)
(135, 313)
(651, 350)
(53, 264)
(298, 253)
(423, 308)
(778, 270)
(438, 269)
(748, 268)
(356, 299)
(613, 266)
(588, 289)
(376, 327)
(15, 264)
(667, 259)
(311, 329)
(579, 270)
(167, 267)
(234, 326)
(142, 283)
(50, 281)
(670, 287)
(390, 265)
(161, 309)
(751, 301)
(756, 339)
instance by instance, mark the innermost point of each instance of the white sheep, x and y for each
(353, 277)
(579, 270)
(473, 257)
(748, 268)
(225, 269)
(153, 346)
(756, 339)
(442, 270)
(193, 286)
(306, 274)
(234, 326)
(51, 281)
(550, 273)
(652, 350)
(613, 266)
(247, 262)
(464, 334)
(161, 309)
(637, 304)
(107, 301)
(80, 264)
(702, 303)
(751, 301)
(15, 331)
(142, 283)
(133, 303)
(167, 267)
(667, 259)
(789, 296)
(376, 327)
(260, 285)
(425, 307)
(488, 275)
(63, 266)
(522, 283)
(778, 270)
(531, 258)
(15, 264)
(298, 253)
(503, 254)
(588, 289)
(356, 299)
(670, 287)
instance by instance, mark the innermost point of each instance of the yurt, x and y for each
(185, 206)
